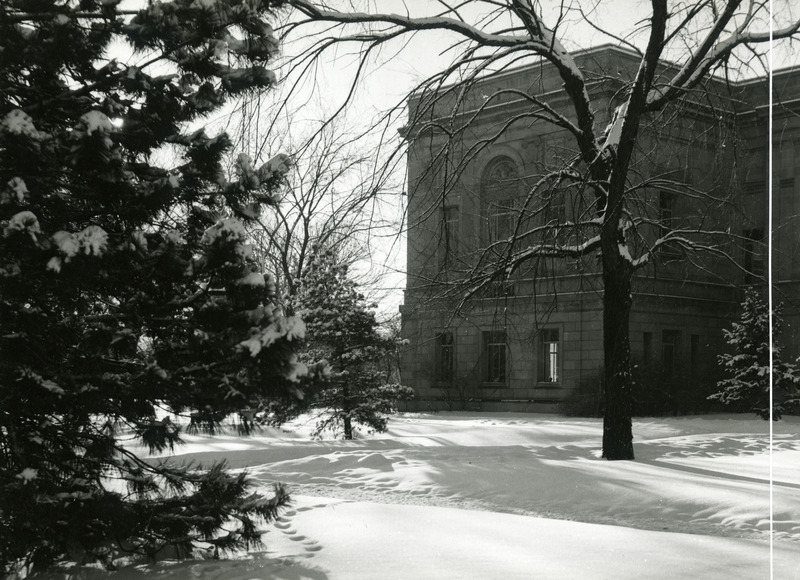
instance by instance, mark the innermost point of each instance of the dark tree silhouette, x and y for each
(128, 292)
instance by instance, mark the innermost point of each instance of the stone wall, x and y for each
(680, 306)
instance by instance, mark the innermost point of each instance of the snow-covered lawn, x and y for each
(465, 495)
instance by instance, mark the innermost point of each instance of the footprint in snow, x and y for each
(284, 524)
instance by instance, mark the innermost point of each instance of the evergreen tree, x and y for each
(127, 287)
(747, 385)
(343, 332)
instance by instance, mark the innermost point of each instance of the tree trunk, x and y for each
(348, 428)
(348, 425)
(617, 264)
(617, 299)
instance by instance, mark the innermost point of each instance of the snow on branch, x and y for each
(715, 48)
(613, 132)
(504, 268)
(682, 239)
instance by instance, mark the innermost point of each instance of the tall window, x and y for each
(670, 348)
(495, 350)
(647, 349)
(549, 355)
(445, 357)
(556, 211)
(694, 355)
(753, 255)
(450, 234)
(666, 211)
(500, 220)
(667, 222)
(500, 186)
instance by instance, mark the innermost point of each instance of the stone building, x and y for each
(533, 340)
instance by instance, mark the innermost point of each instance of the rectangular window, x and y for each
(757, 165)
(666, 211)
(753, 188)
(549, 357)
(647, 348)
(500, 288)
(495, 351)
(667, 223)
(753, 255)
(694, 354)
(445, 357)
(450, 234)
(554, 218)
(670, 349)
(556, 211)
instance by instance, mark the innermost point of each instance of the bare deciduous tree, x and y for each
(703, 39)
(339, 193)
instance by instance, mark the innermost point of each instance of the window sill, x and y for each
(487, 385)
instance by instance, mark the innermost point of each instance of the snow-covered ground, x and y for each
(464, 495)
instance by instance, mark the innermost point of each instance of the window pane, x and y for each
(667, 222)
(445, 356)
(495, 357)
(549, 356)
(670, 340)
(451, 225)
(666, 206)
(694, 353)
(450, 236)
(753, 255)
(552, 362)
(501, 220)
(500, 187)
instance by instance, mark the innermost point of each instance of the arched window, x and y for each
(500, 188)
